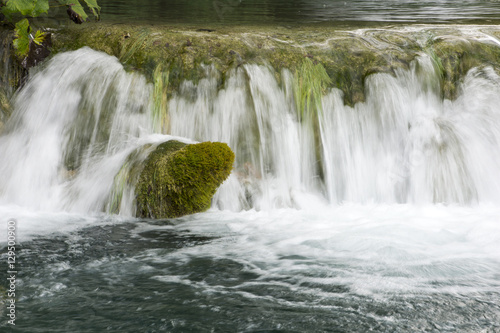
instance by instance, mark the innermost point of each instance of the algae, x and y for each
(180, 179)
(12, 74)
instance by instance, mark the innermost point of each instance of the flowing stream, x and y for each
(383, 216)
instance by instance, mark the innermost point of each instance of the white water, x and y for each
(408, 200)
(403, 145)
(371, 249)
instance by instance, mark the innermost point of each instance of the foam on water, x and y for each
(395, 267)
(368, 249)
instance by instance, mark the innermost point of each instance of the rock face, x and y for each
(180, 179)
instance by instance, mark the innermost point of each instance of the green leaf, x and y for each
(23, 33)
(22, 40)
(94, 7)
(78, 8)
(31, 8)
(39, 37)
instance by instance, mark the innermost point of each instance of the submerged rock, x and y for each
(180, 179)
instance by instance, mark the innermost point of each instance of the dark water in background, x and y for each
(300, 11)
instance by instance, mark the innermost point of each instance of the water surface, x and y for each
(299, 11)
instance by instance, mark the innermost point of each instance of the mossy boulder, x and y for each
(180, 179)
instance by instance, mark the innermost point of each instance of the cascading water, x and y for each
(380, 216)
(75, 124)
(73, 129)
(403, 145)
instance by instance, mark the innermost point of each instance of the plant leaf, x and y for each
(94, 7)
(22, 40)
(77, 9)
(41, 7)
(39, 37)
(31, 8)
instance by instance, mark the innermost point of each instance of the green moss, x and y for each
(161, 120)
(310, 82)
(455, 57)
(11, 72)
(348, 56)
(5, 107)
(180, 179)
(181, 51)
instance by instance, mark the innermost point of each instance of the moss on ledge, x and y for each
(348, 56)
(180, 51)
(455, 57)
(180, 179)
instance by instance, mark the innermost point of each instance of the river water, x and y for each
(394, 228)
(300, 11)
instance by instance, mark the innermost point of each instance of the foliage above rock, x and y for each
(34, 8)
(30, 8)
(32, 47)
(180, 179)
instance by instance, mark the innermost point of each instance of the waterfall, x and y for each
(78, 119)
(74, 124)
(404, 144)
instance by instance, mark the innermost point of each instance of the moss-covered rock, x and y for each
(180, 179)
(455, 57)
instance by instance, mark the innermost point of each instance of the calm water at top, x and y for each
(300, 11)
